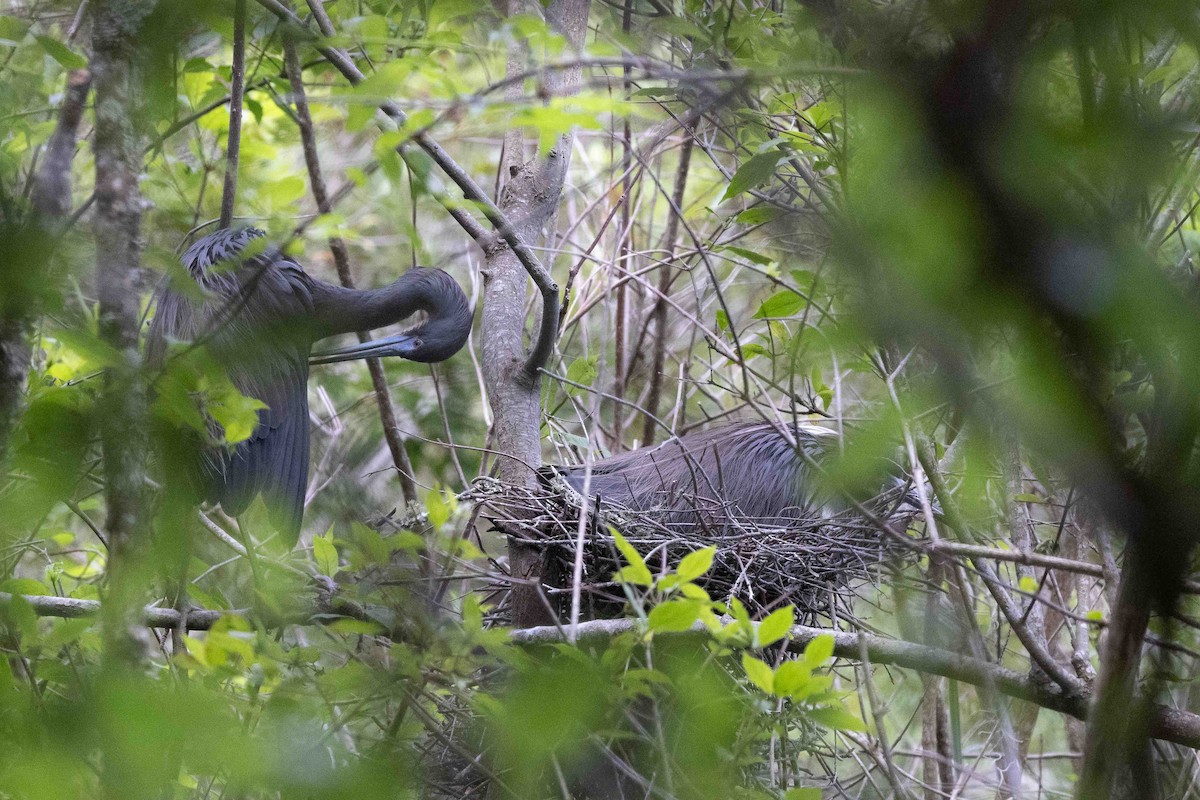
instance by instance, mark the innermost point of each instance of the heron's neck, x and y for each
(339, 310)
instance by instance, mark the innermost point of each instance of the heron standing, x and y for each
(259, 316)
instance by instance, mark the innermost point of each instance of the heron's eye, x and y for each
(418, 343)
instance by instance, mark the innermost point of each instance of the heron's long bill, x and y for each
(399, 345)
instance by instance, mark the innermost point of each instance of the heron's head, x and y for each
(441, 335)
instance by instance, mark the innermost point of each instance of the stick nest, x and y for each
(815, 563)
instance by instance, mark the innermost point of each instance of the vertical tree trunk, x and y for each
(14, 363)
(123, 413)
(665, 277)
(1116, 725)
(530, 199)
(51, 204)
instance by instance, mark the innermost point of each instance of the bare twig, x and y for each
(341, 260)
(237, 93)
(342, 62)
(658, 363)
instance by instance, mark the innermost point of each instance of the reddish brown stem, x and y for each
(341, 259)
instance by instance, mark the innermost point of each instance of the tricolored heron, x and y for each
(259, 317)
(747, 472)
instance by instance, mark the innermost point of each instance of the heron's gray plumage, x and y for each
(259, 319)
(747, 471)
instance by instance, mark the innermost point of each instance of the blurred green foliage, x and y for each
(924, 225)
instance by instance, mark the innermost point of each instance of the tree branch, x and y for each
(52, 191)
(237, 93)
(461, 178)
(1168, 724)
(341, 260)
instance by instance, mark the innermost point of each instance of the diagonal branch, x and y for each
(1167, 724)
(342, 62)
(341, 259)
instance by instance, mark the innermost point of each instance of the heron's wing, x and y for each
(271, 364)
(748, 470)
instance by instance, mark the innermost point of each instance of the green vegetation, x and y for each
(959, 235)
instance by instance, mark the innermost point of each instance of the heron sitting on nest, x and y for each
(783, 533)
(748, 472)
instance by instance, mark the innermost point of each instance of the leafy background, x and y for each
(842, 252)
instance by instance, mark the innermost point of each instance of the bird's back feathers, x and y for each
(245, 323)
(744, 471)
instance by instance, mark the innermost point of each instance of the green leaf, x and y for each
(759, 673)
(738, 611)
(839, 719)
(750, 255)
(61, 53)
(674, 615)
(286, 191)
(819, 114)
(696, 563)
(1028, 584)
(753, 172)
(637, 571)
(19, 614)
(472, 613)
(357, 627)
(757, 215)
(776, 625)
(235, 412)
(582, 371)
(255, 108)
(722, 320)
(655, 91)
(12, 31)
(792, 679)
(807, 793)
(636, 575)
(780, 304)
(325, 554)
(23, 586)
(819, 650)
(440, 505)
(359, 115)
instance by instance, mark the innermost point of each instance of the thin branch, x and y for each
(342, 62)
(1168, 724)
(659, 314)
(1034, 645)
(341, 260)
(237, 93)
